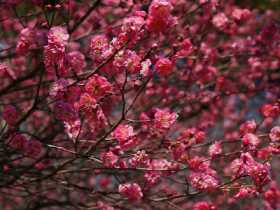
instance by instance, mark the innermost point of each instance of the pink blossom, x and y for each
(204, 182)
(75, 60)
(33, 148)
(97, 86)
(132, 191)
(160, 26)
(196, 164)
(121, 59)
(269, 195)
(69, 113)
(164, 67)
(163, 119)
(250, 139)
(220, 20)
(248, 127)
(122, 133)
(71, 94)
(210, 7)
(58, 85)
(65, 111)
(246, 157)
(146, 71)
(237, 14)
(123, 188)
(162, 163)
(86, 101)
(58, 36)
(131, 26)
(27, 36)
(110, 159)
(276, 109)
(53, 54)
(215, 149)
(152, 177)
(237, 49)
(160, 9)
(17, 141)
(133, 64)
(22, 48)
(97, 117)
(141, 14)
(187, 45)
(73, 128)
(242, 192)
(57, 7)
(140, 158)
(269, 33)
(246, 14)
(275, 134)
(238, 167)
(3, 69)
(10, 114)
(204, 205)
(99, 42)
(259, 172)
(123, 163)
(154, 59)
(200, 137)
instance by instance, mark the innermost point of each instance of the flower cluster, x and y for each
(55, 51)
(241, 14)
(160, 21)
(164, 67)
(248, 127)
(215, 149)
(269, 34)
(58, 85)
(163, 119)
(250, 139)
(65, 111)
(32, 147)
(17, 141)
(131, 26)
(259, 172)
(220, 21)
(97, 86)
(152, 177)
(204, 205)
(124, 135)
(10, 114)
(132, 191)
(238, 167)
(275, 134)
(187, 44)
(204, 182)
(27, 37)
(110, 159)
(75, 61)
(140, 158)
